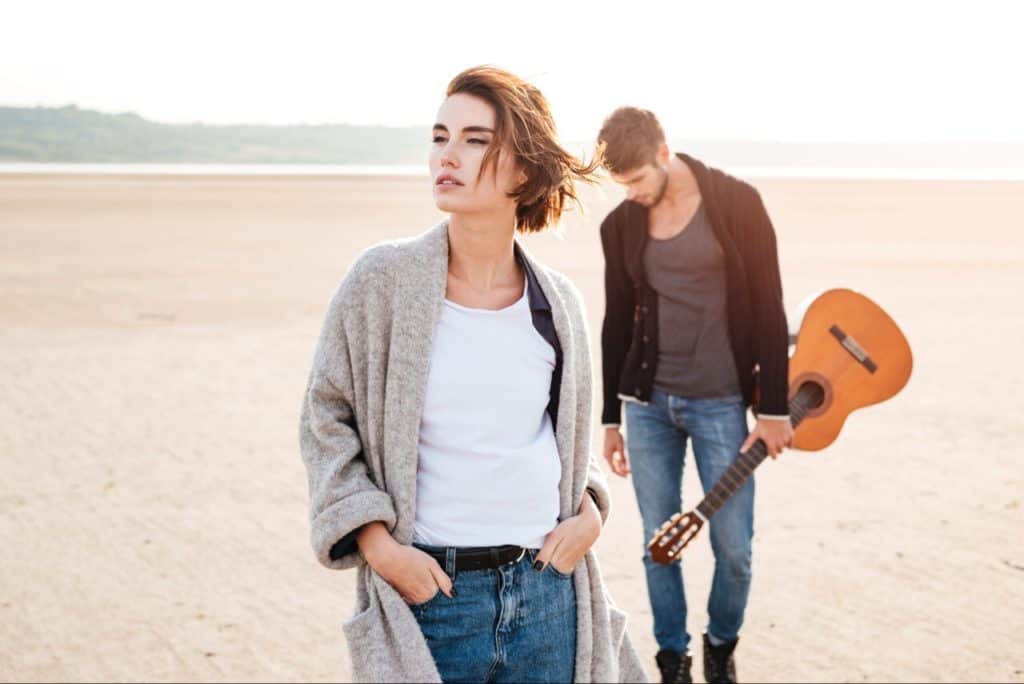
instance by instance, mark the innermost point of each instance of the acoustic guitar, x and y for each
(849, 354)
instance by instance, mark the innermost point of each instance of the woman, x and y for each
(446, 424)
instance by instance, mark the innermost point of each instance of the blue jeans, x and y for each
(656, 440)
(510, 624)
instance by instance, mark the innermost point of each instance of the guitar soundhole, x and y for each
(813, 395)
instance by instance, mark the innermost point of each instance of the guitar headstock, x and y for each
(673, 536)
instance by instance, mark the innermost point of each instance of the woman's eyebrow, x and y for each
(467, 129)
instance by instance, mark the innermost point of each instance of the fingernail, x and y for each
(538, 566)
(454, 594)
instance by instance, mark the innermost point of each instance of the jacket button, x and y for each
(643, 365)
(646, 338)
(645, 309)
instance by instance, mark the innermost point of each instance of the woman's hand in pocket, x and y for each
(414, 574)
(567, 544)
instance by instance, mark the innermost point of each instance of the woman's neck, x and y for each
(481, 255)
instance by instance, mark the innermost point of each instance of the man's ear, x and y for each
(664, 153)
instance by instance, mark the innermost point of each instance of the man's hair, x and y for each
(629, 138)
(524, 125)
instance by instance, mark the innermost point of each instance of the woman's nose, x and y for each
(448, 157)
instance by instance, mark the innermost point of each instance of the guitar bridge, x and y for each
(855, 350)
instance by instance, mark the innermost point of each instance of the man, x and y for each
(693, 320)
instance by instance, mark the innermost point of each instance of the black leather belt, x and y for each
(480, 558)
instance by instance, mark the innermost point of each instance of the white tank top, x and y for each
(488, 470)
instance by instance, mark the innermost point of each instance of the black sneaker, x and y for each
(719, 665)
(675, 667)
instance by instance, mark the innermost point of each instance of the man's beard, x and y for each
(661, 190)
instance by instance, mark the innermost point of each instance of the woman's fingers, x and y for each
(547, 551)
(419, 578)
(441, 578)
(562, 548)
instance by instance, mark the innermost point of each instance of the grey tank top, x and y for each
(688, 273)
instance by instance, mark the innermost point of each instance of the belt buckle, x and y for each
(522, 552)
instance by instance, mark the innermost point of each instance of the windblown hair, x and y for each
(524, 125)
(629, 138)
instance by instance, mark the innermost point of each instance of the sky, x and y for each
(892, 71)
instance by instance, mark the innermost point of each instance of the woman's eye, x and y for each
(477, 141)
(439, 139)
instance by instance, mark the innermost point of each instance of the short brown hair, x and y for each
(523, 123)
(629, 138)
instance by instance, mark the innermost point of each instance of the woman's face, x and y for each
(462, 135)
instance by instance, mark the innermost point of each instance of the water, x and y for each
(778, 171)
(215, 169)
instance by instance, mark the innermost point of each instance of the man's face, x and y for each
(645, 185)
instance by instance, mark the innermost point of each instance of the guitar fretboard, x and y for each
(806, 400)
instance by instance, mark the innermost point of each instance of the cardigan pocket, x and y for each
(367, 642)
(617, 622)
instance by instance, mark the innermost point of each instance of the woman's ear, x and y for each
(520, 181)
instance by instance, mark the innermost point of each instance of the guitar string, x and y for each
(840, 366)
(747, 463)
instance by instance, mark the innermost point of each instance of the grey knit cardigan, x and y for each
(359, 438)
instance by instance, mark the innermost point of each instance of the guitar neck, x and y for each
(743, 467)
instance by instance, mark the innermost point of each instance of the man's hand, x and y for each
(566, 545)
(615, 451)
(414, 574)
(776, 435)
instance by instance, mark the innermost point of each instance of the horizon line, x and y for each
(565, 138)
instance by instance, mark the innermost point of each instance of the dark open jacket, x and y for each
(757, 318)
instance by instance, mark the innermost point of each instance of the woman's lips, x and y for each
(447, 181)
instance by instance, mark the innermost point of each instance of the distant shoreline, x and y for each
(416, 170)
(72, 140)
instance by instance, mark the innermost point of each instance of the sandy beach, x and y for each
(156, 339)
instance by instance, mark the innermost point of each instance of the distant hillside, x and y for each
(70, 134)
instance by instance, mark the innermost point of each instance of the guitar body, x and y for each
(871, 364)
(849, 354)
